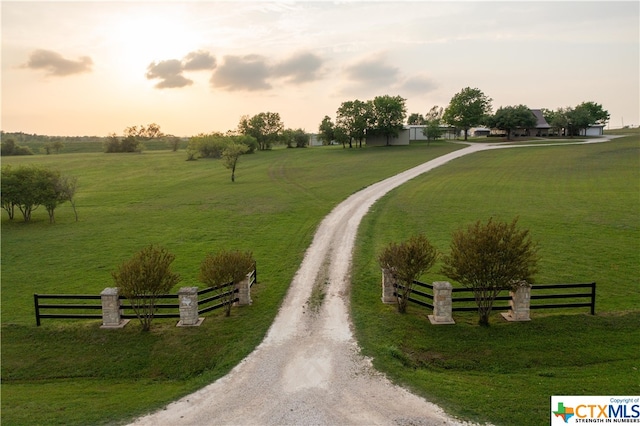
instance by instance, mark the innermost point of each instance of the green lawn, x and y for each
(127, 201)
(582, 204)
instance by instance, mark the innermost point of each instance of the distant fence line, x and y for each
(439, 298)
(116, 310)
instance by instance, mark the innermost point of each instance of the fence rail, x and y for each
(65, 306)
(546, 292)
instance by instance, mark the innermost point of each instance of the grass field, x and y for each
(127, 201)
(581, 202)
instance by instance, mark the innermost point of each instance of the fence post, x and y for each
(442, 303)
(37, 307)
(244, 291)
(111, 309)
(520, 303)
(188, 298)
(388, 287)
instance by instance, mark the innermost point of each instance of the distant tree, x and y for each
(510, 118)
(111, 143)
(433, 121)
(249, 141)
(354, 118)
(416, 119)
(489, 258)
(341, 136)
(265, 127)
(225, 269)
(173, 142)
(29, 187)
(597, 114)
(9, 190)
(67, 186)
(407, 261)
(468, 108)
(8, 145)
(230, 156)
(209, 145)
(389, 113)
(143, 278)
(326, 131)
(295, 138)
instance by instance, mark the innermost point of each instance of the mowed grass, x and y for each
(582, 204)
(71, 372)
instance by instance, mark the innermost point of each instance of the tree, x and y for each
(326, 131)
(173, 142)
(489, 258)
(433, 120)
(265, 127)
(510, 118)
(230, 157)
(416, 119)
(407, 261)
(597, 114)
(388, 114)
(225, 269)
(299, 138)
(354, 118)
(67, 186)
(29, 187)
(468, 108)
(143, 278)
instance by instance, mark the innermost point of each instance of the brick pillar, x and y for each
(244, 292)
(442, 304)
(111, 309)
(388, 281)
(520, 303)
(188, 297)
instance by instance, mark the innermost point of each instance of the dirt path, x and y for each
(308, 369)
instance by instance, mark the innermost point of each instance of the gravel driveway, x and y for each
(308, 369)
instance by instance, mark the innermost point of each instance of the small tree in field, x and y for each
(224, 270)
(489, 258)
(143, 278)
(230, 156)
(407, 261)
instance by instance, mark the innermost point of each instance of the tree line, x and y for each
(29, 187)
(470, 107)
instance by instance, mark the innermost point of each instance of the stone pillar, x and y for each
(388, 282)
(520, 303)
(111, 309)
(244, 292)
(188, 298)
(442, 304)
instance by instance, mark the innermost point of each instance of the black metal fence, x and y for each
(558, 292)
(84, 306)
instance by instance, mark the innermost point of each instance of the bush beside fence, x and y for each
(441, 301)
(116, 310)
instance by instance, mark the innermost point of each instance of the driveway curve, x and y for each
(308, 369)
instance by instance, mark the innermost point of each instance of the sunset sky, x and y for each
(93, 68)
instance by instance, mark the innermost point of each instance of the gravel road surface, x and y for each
(309, 370)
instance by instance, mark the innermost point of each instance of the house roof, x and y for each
(541, 123)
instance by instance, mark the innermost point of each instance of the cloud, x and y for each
(249, 72)
(419, 84)
(56, 65)
(198, 61)
(372, 70)
(170, 74)
(299, 68)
